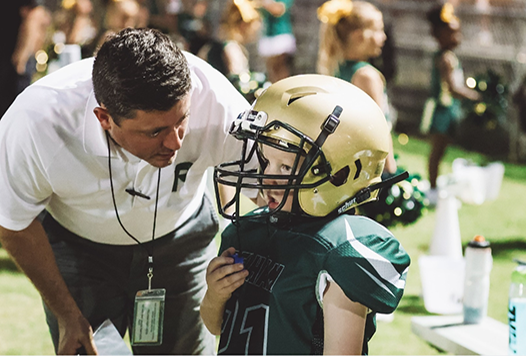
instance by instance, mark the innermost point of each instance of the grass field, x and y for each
(23, 329)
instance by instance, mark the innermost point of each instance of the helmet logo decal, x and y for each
(358, 164)
(297, 96)
(340, 177)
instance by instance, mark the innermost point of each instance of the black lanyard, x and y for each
(150, 253)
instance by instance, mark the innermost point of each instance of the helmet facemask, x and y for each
(255, 138)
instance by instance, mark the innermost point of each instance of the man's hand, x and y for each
(74, 334)
(31, 251)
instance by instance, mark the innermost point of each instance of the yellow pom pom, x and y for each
(334, 10)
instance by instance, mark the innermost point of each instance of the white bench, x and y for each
(450, 334)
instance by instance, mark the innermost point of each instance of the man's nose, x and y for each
(174, 139)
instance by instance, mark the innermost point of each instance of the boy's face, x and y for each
(279, 162)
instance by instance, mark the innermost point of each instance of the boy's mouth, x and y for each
(272, 202)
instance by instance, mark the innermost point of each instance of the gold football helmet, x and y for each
(339, 131)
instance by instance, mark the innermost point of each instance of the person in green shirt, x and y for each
(442, 112)
(277, 43)
(303, 274)
(351, 33)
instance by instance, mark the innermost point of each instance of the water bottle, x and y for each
(517, 311)
(476, 283)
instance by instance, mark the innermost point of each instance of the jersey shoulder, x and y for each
(367, 262)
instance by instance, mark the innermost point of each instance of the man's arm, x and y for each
(32, 253)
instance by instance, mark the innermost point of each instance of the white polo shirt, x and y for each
(54, 156)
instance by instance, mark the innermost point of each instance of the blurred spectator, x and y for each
(143, 16)
(194, 25)
(118, 15)
(277, 43)
(23, 26)
(75, 20)
(442, 111)
(163, 15)
(240, 24)
(121, 14)
(350, 34)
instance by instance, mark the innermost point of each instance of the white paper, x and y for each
(109, 341)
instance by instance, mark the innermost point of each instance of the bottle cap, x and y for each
(479, 242)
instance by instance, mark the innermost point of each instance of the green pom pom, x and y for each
(401, 204)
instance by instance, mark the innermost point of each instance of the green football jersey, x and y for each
(276, 311)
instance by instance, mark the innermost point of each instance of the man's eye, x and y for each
(155, 133)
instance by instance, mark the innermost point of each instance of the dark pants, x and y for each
(104, 279)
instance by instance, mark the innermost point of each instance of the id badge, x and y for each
(148, 317)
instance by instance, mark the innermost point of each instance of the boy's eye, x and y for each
(285, 168)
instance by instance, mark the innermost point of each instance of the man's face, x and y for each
(153, 136)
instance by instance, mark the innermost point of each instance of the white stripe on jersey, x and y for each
(382, 266)
(377, 281)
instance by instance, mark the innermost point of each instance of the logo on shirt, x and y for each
(264, 273)
(180, 173)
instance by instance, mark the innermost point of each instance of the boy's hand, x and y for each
(223, 276)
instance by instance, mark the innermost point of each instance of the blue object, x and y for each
(237, 258)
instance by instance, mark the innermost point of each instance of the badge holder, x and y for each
(148, 315)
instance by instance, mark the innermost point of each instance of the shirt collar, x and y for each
(95, 142)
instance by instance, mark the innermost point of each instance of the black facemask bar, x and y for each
(233, 173)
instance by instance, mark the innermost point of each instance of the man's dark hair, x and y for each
(139, 69)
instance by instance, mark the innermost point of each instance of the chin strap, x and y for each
(365, 193)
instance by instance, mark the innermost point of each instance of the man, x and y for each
(99, 146)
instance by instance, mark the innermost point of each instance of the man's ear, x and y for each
(104, 117)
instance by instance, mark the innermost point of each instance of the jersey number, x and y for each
(250, 331)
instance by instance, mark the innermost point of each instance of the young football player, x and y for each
(303, 274)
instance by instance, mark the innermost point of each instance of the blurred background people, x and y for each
(194, 25)
(121, 14)
(239, 26)
(277, 44)
(352, 32)
(74, 20)
(442, 112)
(23, 26)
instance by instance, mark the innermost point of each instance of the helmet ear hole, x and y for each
(340, 177)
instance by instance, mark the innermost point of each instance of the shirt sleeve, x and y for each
(370, 266)
(23, 181)
(217, 104)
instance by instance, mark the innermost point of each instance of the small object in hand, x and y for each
(237, 258)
